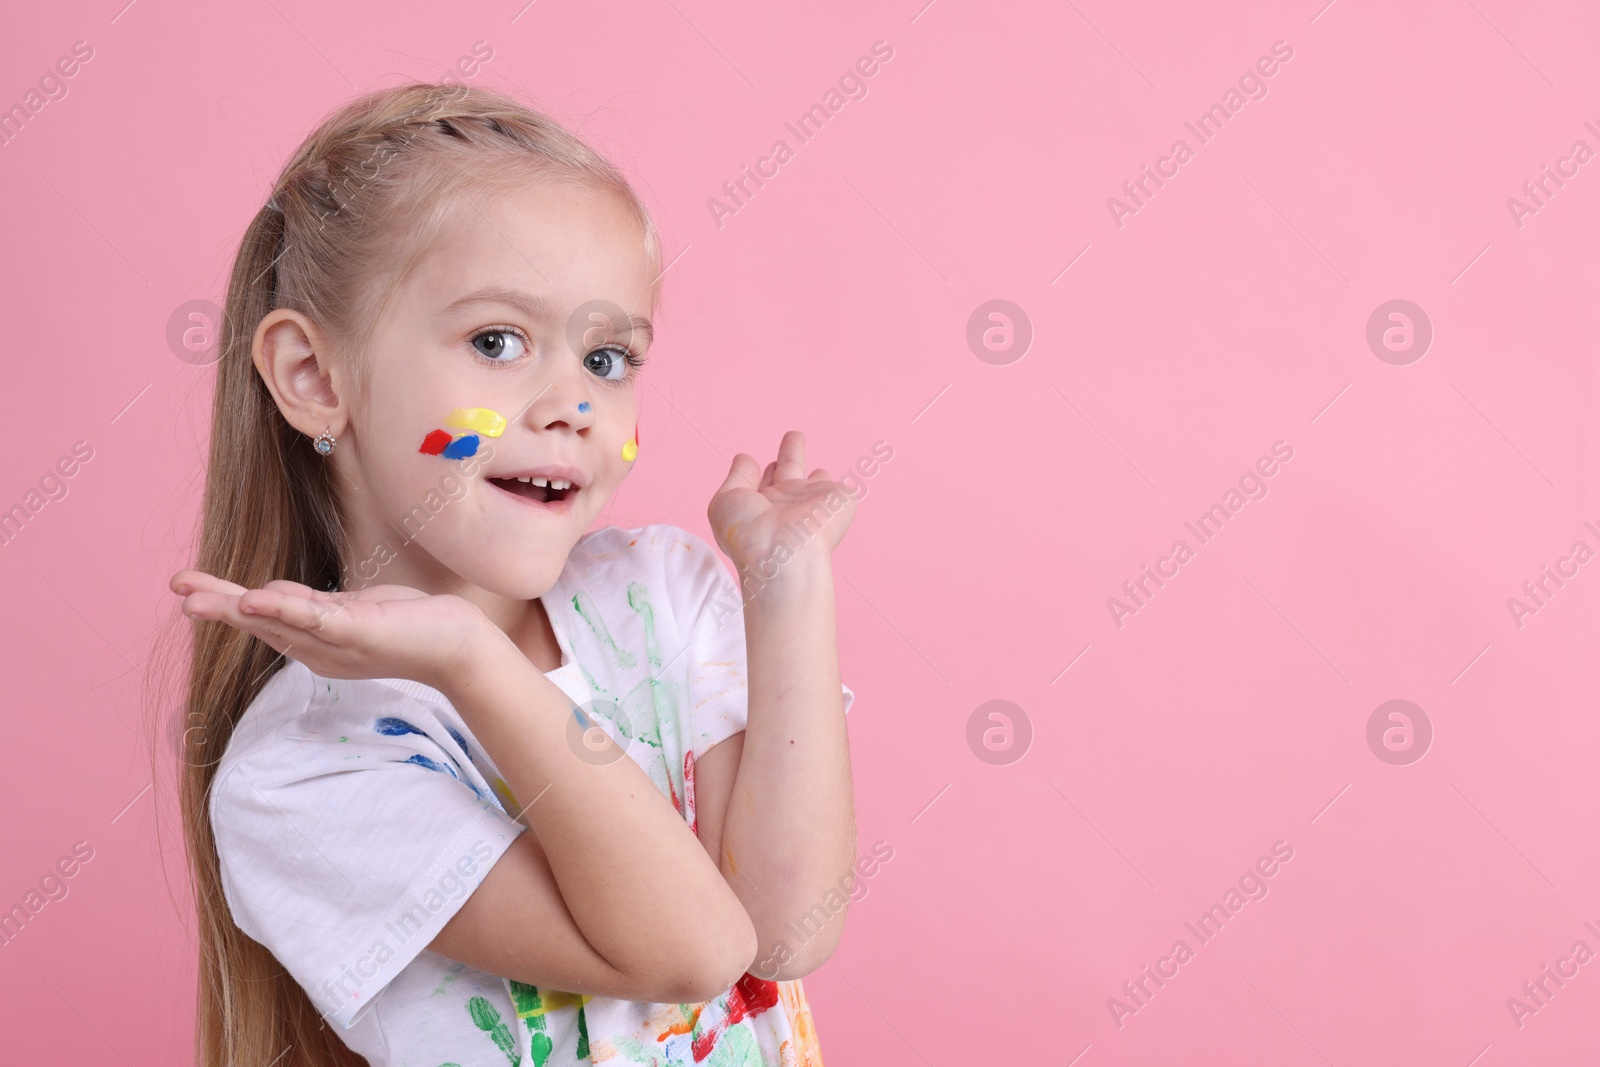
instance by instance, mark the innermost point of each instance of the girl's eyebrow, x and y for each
(534, 307)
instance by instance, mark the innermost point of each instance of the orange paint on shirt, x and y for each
(807, 1051)
(673, 1019)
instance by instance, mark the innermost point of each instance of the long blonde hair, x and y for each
(351, 212)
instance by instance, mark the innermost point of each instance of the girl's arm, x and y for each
(777, 806)
(650, 918)
(788, 836)
(610, 894)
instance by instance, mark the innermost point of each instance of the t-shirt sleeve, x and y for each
(710, 613)
(345, 853)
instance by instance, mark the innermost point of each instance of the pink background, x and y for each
(1228, 313)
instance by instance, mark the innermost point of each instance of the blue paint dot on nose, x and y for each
(583, 406)
(462, 447)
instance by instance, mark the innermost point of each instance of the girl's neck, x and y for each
(537, 638)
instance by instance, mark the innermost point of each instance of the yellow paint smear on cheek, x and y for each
(482, 420)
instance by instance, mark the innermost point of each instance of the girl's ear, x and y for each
(292, 357)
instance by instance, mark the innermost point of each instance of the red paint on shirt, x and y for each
(750, 996)
(688, 790)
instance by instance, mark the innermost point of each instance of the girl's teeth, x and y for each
(552, 483)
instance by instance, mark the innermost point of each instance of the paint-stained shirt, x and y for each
(353, 818)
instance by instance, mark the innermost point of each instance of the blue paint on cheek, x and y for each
(462, 447)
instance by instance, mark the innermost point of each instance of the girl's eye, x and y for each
(611, 362)
(492, 344)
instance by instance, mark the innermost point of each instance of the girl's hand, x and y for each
(382, 631)
(752, 518)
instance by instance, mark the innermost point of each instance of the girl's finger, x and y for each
(791, 457)
(222, 607)
(742, 474)
(822, 473)
(280, 633)
(206, 604)
(300, 612)
(193, 581)
(283, 585)
(767, 475)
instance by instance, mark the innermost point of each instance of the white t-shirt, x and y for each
(353, 818)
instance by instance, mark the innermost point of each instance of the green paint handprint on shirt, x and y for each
(487, 1019)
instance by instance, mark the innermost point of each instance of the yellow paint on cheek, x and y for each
(482, 420)
(630, 449)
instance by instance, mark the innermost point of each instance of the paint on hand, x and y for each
(630, 449)
(487, 422)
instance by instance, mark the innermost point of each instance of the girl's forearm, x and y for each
(633, 875)
(789, 833)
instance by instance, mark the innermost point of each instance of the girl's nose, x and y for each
(562, 399)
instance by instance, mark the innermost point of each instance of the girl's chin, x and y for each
(512, 571)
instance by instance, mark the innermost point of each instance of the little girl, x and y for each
(410, 648)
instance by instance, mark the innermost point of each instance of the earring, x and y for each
(324, 442)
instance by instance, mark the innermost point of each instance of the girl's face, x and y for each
(515, 331)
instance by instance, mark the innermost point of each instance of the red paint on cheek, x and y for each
(434, 443)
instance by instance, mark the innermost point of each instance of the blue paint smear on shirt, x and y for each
(395, 727)
(433, 765)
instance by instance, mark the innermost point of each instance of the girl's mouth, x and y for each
(538, 490)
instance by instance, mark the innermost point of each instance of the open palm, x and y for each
(753, 512)
(381, 631)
